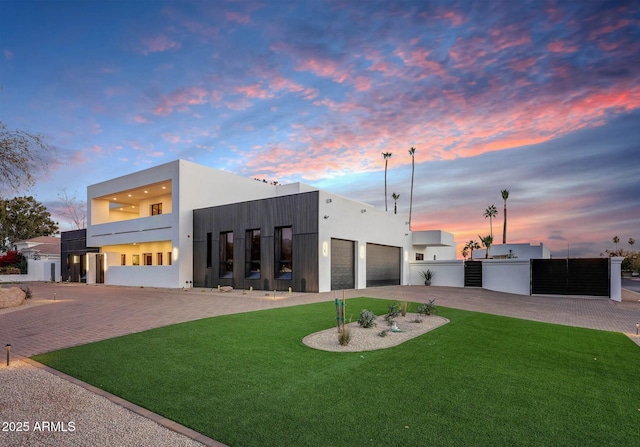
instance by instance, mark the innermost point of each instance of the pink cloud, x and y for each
(156, 44)
(559, 46)
(254, 91)
(181, 99)
(237, 17)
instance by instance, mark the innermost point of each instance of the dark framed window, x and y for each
(283, 252)
(136, 259)
(226, 254)
(147, 258)
(169, 258)
(158, 258)
(156, 209)
(419, 256)
(209, 250)
(123, 259)
(252, 254)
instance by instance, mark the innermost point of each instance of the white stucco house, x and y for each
(181, 224)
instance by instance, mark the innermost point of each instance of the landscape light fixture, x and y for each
(637, 325)
(8, 352)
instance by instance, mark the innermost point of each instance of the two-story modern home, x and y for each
(181, 224)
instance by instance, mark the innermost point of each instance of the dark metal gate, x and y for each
(473, 273)
(570, 277)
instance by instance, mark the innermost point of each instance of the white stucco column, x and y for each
(616, 279)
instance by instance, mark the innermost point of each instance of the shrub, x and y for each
(404, 307)
(383, 333)
(393, 312)
(344, 336)
(427, 308)
(367, 318)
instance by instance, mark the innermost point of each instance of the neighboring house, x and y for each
(181, 224)
(46, 248)
(514, 251)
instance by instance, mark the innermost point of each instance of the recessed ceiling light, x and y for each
(164, 187)
(115, 198)
(146, 192)
(133, 206)
(129, 195)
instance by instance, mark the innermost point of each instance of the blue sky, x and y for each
(540, 98)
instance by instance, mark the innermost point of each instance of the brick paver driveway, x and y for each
(83, 313)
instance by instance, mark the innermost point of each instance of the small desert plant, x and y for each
(427, 308)
(393, 312)
(427, 275)
(344, 336)
(367, 318)
(404, 307)
(27, 293)
(383, 333)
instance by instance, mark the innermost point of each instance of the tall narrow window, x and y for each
(158, 258)
(136, 259)
(226, 254)
(156, 209)
(252, 254)
(123, 259)
(147, 258)
(169, 258)
(284, 252)
(209, 250)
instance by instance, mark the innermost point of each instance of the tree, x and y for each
(74, 209)
(22, 154)
(487, 241)
(23, 218)
(490, 212)
(616, 240)
(469, 247)
(505, 196)
(412, 152)
(632, 241)
(395, 202)
(387, 156)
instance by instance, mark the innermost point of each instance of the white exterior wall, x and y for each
(448, 273)
(356, 221)
(520, 251)
(615, 287)
(37, 270)
(507, 275)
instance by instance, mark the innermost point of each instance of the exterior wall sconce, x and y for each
(328, 200)
(325, 249)
(326, 216)
(363, 211)
(362, 253)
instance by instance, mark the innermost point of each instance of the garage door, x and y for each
(342, 264)
(383, 265)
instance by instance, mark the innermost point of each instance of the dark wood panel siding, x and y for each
(73, 243)
(299, 211)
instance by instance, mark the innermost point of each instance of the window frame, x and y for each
(281, 259)
(226, 258)
(251, 249)
(156, 209)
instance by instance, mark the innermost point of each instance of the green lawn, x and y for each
(481, 380)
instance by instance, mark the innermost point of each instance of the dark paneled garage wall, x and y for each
(299, 211)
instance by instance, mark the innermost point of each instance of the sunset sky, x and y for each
(540, 98)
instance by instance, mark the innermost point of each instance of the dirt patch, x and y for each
(368, 339)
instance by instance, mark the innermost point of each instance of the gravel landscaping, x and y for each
(368, 339)
(41, 409)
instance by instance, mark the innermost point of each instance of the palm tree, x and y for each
(395, 202)
(412, 152)
(491, 212)
(632, 241)
(616, 240)
(469, 247)
(487, 241)
(387, 156)
(505, 196)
